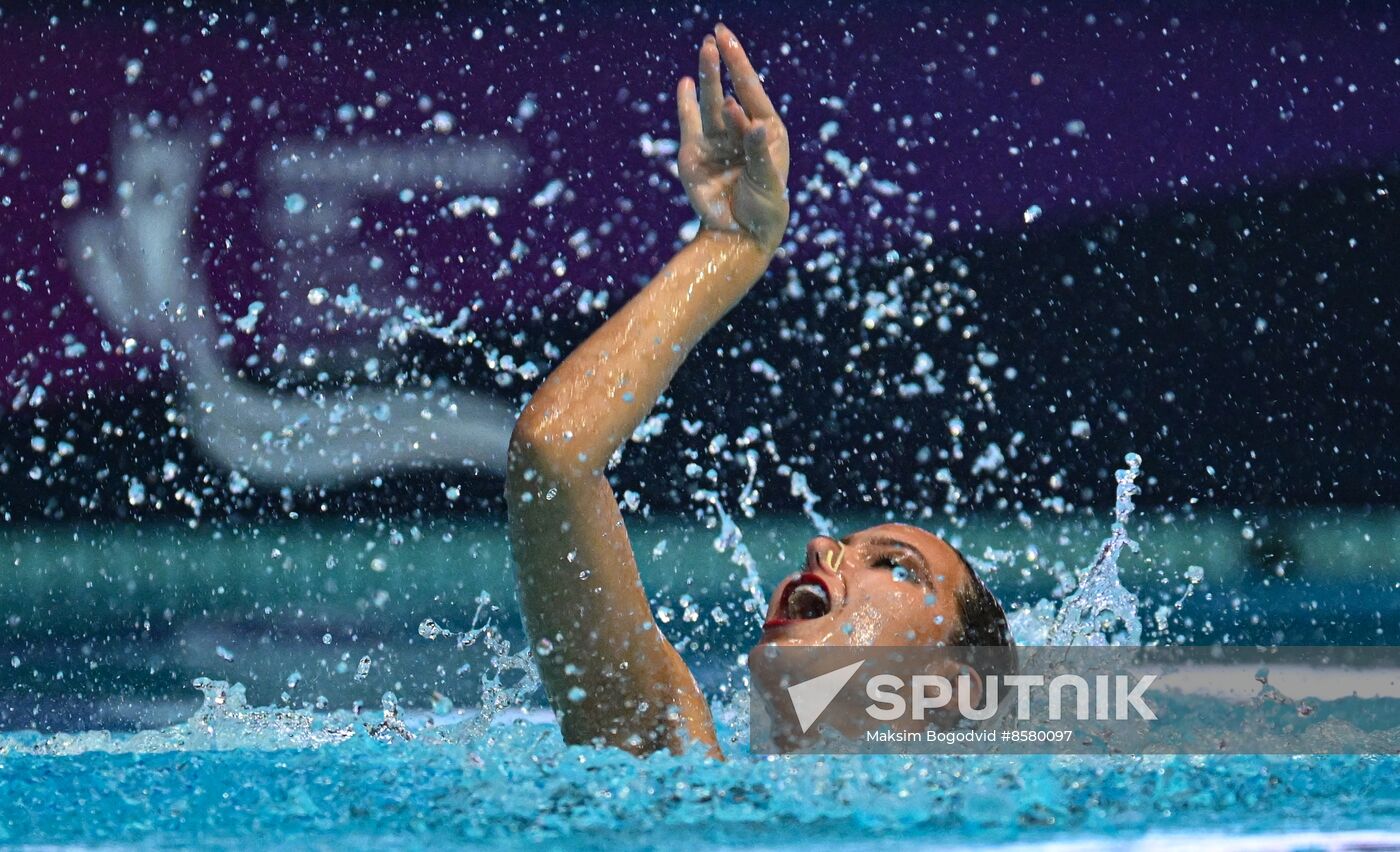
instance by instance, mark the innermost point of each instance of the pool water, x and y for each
(383, 703)
(239, 778)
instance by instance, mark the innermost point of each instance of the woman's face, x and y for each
(892, 584)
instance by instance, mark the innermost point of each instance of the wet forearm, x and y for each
(594, 400)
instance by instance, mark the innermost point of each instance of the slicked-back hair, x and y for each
(984, 627)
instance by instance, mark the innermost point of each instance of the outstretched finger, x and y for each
(758, 159)
(688, 110)
(711, 89)
(747, 85)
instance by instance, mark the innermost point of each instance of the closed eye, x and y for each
(897, 567)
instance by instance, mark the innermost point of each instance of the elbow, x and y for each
(529, 439)
(537, 448)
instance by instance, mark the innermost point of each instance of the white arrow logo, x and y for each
(810, 698)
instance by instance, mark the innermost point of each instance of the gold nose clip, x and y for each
(833, 560)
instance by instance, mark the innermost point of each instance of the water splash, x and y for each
(797, 481)
(497, 695)
(223, 722)
(1092, 613)
(731, 538)
(392, 726)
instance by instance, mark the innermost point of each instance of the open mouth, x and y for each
(806, 597)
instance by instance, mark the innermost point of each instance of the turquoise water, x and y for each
(517, 784)
(412, 756)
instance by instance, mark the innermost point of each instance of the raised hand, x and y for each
(734, 153)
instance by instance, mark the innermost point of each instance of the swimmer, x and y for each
(611, 676)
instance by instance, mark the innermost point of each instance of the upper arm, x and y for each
(609, 672)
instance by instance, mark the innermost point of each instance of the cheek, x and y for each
(866, 622)
(926, 616)
(888, 611)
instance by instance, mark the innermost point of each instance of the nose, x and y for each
(823, 555)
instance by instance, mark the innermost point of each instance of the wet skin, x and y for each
(891, 584)
(612, 677)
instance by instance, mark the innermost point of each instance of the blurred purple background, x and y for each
(915, 126)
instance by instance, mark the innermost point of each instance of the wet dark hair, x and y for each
(984, 629)
(982, 616)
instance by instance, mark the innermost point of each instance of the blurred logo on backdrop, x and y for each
(144, 275)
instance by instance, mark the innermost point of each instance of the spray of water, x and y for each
(497, 694)
(1100, 610)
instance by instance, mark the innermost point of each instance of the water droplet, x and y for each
(444, 122)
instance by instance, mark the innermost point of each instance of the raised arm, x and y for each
(610, 674)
